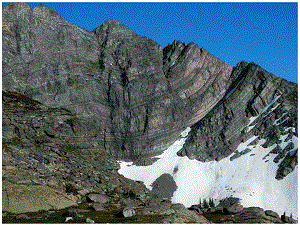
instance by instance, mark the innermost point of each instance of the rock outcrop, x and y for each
(43, 170)
(135, 96)
(256, 104)
(74, 101)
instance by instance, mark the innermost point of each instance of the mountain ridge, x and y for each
(115, 93)
(132, 69)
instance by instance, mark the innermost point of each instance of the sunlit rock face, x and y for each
(111, 90)
(137, 96)
(257, 103)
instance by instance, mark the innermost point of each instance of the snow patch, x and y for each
(251, 177)
(235, 87)
(252, 119)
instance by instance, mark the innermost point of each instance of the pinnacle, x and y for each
(114, 27)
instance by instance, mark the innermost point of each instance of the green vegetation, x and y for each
(111, 216)
(17, 100)
(211, 203)
(205, 204)
(215, 218)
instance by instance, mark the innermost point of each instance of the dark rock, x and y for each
(196, 208)
(164, 186)
(217, 209)
(287, 165)
(97, 198)
(272, 214)
(247, 150)
(98, 207)
(230, 205)
(235, 156)
(22, 217)
(71, 213)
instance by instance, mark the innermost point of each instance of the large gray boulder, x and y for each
(230, 205)
(20, 198)
(97, 198)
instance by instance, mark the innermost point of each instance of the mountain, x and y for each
(75, 101)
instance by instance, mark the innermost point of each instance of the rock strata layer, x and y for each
(135, 96)
(74, 101)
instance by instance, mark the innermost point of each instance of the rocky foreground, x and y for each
(77, 101)
(49, 179)
(45, 172)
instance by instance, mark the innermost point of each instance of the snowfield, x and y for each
(251, 177)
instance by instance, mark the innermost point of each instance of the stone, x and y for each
(272, 214)
(22, 217)
(230, 205)
(183, 215)
(97, 198)
(128, 212)
(32, 198)
(164, 186)
(287, 165)
(235, 156)
(88, 220)
(68, 218)
(196, 208)
(71, 213)
(98, 207)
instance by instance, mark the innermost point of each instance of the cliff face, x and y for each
(136, 96)
(74, 101)
(256, 104)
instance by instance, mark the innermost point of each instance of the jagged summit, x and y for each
(114, 27)
(74, 96)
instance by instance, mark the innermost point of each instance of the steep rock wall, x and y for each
(136, 96)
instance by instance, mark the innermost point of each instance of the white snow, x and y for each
(252, 119)
(235, 87)
(277, 122)
(271, 103)
(250, 177)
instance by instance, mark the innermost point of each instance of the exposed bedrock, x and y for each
(136, 96)
(257, 103)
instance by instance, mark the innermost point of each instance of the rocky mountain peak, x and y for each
(114, 29)
(22, 6)
(89, 98)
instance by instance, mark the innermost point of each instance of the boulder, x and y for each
(88, 220)
(32, 198)
(230, 205)
(128, 211)
(22, 217)
(97, 207)
(164, 186)
(183, 215)
(103, 199)
(272, 214)
(196, 208)
(71, 213)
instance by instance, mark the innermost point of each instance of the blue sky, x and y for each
(264, 33)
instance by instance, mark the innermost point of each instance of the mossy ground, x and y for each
(214, 217)
(58, 216)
